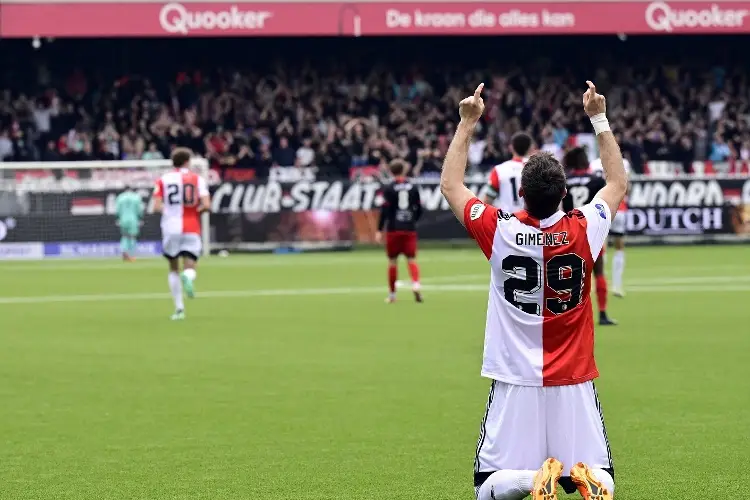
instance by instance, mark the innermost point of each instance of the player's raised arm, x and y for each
(454, 167)
(614, 171)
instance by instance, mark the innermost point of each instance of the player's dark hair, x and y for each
(397, 167)
(543, 183)
(576, 159)
(521, 143)
(181, 157)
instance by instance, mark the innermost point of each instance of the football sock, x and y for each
(124, 245)
(392, 277)
(190, 274)
(507, 485)
(131, 245)
(414, 273)
(601, 292)
(606, 480)
(175, 288)
(618, 267)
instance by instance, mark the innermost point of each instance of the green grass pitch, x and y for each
(292, 379)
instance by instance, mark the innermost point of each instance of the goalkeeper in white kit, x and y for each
(129, 208)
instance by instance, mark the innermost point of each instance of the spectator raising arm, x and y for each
(614, 191)
(454, 167)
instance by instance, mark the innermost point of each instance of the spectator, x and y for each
(305, 154)
(50, 153)
(284, 155)
(153, 153)
(719, 149)
(6, 146)
(264, 162)
(476, 151)
(550, 145)
(314, 113)
(245, 157)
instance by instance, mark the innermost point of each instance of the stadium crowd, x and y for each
(343, 113)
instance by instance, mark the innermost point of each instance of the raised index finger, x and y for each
(478, 91)
(591, 85)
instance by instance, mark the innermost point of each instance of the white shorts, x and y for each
(619, 225)
(523, 426)
(182, 245)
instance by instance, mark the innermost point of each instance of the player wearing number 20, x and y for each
(181, 196)
(543, 415)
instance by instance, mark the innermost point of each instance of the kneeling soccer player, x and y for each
(543, 415)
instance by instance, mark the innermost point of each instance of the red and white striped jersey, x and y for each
(181, 191)
(540, 325)
(503, 185)
(596, 167)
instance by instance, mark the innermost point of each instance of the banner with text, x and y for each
(330, 214)
(215, 19)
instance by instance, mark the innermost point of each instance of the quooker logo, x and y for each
(176, 18)
(660, 16)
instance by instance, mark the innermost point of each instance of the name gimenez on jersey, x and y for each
(542, 239)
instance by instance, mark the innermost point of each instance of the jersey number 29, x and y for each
(565, 275)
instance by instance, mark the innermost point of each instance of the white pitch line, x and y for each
(47, 299)
(282, 292)
(262, 260)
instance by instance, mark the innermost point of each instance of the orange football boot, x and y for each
(588, 485)
(545, 480)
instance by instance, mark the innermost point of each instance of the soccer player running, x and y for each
(129, 208)
(505, 178)
(583, 185)
(543, 414)
(181, 196)
(617, 232)
(399, 214)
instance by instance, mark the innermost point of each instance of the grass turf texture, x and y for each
(271, 392)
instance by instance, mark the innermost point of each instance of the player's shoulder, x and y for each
(477, 209)
(596, 211)
(508, 165)
(406, 182)
(169, 176)
(387, 187)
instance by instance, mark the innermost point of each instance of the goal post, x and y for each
(67, 209)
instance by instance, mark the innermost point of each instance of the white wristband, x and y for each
(600, 123)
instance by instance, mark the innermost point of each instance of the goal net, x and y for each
(67, 209)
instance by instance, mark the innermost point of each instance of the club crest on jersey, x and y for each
(542, 239)
(600, 209)
(476, 211)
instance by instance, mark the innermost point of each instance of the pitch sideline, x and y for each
(299, 292)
